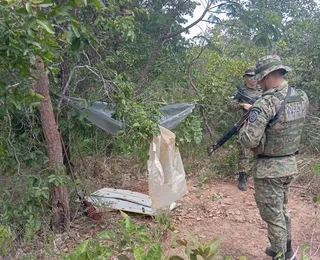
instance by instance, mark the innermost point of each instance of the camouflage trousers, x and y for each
(243, 161)
(271, 195)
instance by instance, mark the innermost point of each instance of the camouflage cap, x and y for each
(266, 65)
(249, 71)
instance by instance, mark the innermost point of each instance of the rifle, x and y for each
(240, 95)
(236, 127)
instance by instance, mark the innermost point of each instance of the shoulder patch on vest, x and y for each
(255, 111)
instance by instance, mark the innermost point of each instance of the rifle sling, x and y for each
(282, 107)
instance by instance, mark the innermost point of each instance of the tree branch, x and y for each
(165, 35)
(206, 10)
(106, 84)
(190, 25)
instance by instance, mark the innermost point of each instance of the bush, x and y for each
(6, 240)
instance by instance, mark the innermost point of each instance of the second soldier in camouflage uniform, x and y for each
(239, 107)
(275, 141)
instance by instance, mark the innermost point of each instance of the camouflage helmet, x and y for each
(249, 71)
(266, 65)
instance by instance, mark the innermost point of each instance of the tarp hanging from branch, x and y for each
(97, 114)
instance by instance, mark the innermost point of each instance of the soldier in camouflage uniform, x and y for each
(239, 107)
(274, 131)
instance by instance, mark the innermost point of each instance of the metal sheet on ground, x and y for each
(125, 200)
(127, 195)
(121, 205)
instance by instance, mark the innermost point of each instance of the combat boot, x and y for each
(242, 181)
(273, 254)
(288, 255)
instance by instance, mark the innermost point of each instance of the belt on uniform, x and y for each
(262, 156)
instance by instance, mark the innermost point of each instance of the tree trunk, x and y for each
(66, 144)
(156, 49)
(65, 136)
(145, 72)
(60, 198)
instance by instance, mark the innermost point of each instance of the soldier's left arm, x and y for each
(261, 113)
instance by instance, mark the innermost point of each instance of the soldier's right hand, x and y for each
(247, 106)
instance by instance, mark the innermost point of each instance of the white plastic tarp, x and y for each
(167, 182)
(97, 114)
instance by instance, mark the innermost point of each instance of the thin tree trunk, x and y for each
(65, 115)
(66, 144)
(156, 49)
(60, 197)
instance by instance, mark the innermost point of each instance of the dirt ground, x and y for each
(214, 209)
(219, 209)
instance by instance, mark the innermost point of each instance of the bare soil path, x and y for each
(219, 209)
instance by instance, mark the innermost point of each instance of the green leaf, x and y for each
(85, 2)
(128, 224)
(176, 257)
(97, 3)
(122, 244)
(107, 235)
(22, 11)
(38, 96)
(304, 255)
(75, 30)
(37, 1)
(316, 199)
(17, 105)
(31, 22)
(316, 169)
(193, 242)
(80, 251)
(4, 4)
(35, 44)
(214, 246)
(76, 43)
(138, 253)
(46, 25)
(29, 7)
(144, 238)
(154, 253)
(35, 104)
(46, 3)
(193, 256)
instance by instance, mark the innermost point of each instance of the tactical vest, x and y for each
(284, 136)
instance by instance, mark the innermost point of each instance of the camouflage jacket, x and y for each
(236, 105)
(254, 134)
